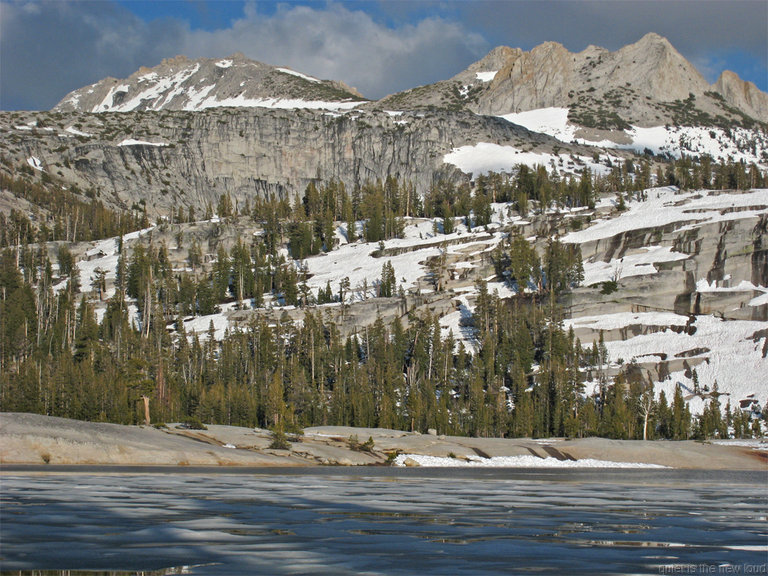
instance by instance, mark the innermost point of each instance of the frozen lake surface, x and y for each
(382, 521)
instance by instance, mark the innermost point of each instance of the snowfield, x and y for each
(486, 76)
(624, 319)
(671, 140)
(638, 264)
(485, 157)
(133, 142)
(201, 102)
(299, 75)
(731, 348)
(360, 263)
(103, 255)
(550, 121)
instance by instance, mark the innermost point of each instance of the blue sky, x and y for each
(50, 47)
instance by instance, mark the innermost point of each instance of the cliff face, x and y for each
(718, 260)
(742, 95)
(170, 159)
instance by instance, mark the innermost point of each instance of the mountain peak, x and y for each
(180, 83)
(654, 38)
(647, 83)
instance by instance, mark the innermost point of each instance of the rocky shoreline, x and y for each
(50, 441)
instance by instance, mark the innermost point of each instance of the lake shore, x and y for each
(50, 441)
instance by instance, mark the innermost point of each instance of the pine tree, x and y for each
(387, 280)
(681, 417)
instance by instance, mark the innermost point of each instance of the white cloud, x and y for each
(329, 41)
(341, 44)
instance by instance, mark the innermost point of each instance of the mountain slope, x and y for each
(183, 84)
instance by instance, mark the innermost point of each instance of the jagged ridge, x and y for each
(647, 83)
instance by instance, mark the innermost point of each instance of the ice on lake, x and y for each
(382, 521)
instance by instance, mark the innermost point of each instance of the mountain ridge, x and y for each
(181, 83)
(636, 84)
(640, 84)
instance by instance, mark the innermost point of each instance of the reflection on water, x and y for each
(383, 521)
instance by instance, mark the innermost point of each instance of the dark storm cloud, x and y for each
(50, 48)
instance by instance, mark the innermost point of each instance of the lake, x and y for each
(100, 520)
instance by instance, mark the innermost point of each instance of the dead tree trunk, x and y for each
(145, 398)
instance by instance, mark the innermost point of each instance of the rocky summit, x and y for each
(647, 83)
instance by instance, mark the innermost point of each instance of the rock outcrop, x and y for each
(742, 95)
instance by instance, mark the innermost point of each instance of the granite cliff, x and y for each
(173, 158)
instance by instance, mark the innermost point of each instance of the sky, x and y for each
(51, 47)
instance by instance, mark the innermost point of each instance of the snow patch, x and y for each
(663, 140)
(637, 264)
(485, 157)
(35, 163)
(624, 319)
(201, 324)
(132, 142)
(298, 74)
(486, 76)
(76, 132)
(550, 121)
(515, 462)
(755, 444)
(274, 103)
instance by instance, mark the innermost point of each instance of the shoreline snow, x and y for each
(512, 462)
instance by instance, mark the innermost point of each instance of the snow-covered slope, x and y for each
(485, 157)
(693, 296)
(668, 205)
(738, 144)
(183, 84)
